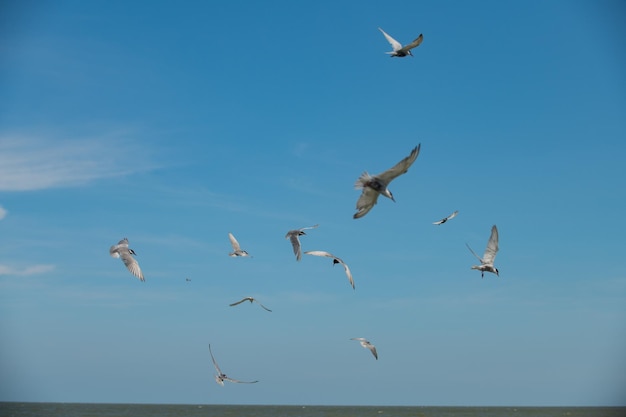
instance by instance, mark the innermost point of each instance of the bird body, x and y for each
(221, 377)
(374, 185)
(366, 344)
(487, 261)
(294, 237)
(399, 50)
(445, 219)
(237, 251)
(251, 299)
(121, 250)
(336, 260)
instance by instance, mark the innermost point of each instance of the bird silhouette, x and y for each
(374, 185)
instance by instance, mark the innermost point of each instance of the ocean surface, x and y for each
(156, 410)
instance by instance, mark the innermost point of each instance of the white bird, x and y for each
(336, 260)
(237, 251)
(486, 262)
(445, 219)
(121, 250)
(294, 237)
(221, 377)
(366, 344)
(376, 185)
(251, 299)
(399, 50)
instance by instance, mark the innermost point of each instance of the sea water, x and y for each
(15, 409)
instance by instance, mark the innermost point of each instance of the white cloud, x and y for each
(3, 213)
(29, 270)
(30, 162)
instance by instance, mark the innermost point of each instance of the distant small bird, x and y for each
(486, 262)
(251, 299)
(399, 50)
(336, 260)
(221, 377)
(366, 344)
(121, 250)
(237, 251)
(445, 219)
(376, 185)
(294, 237)
(188, 279)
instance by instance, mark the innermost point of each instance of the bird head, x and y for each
(388, 194)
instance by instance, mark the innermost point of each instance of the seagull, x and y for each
(121, 250)
(486, 262)
(237, 251)
(445, 219)
(336, 260)
(251, 299)
(399, 50)
(376, 185)
(366, 344)
(220, 377)
(293, 236)
(188, 279)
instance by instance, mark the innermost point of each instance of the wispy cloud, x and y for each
(3, 213)
(29, 270)
(36, 162)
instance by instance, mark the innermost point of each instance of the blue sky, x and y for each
(174, 123)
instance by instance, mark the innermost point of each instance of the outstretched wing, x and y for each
(474, 253)
(492, 246)
(240, 301)
(453, 215)
(394, 43)
(234, 242)
(413, 44)
(217, 368)
(261, 305)
(348, 273)
(131, 264)
(401, 167)
(295, 243)
(238, 381)
(366, 202)
(319, 253)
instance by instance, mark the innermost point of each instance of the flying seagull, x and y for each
(121, 250)
(486, 262)
(251, 299)
(375, 185)
(221, 377)
(293, 236)
(336, 260)
(445, 219)
(399, 50)
(366, 344)
(237, 251)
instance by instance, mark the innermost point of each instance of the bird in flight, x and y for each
(251, 299)
(399, 50)
(221, 377)
(366, 344)
(237, 251)
(294, 237)
(486, 262)
(375, 185)
(121, 250)
(336, 260)
(445, 219)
